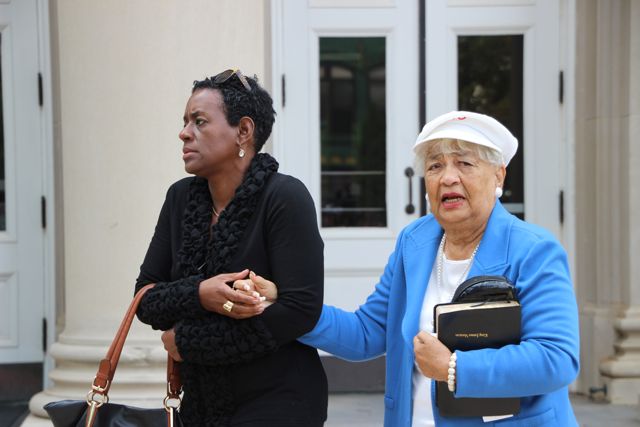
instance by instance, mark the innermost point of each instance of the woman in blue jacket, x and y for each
(469, 233)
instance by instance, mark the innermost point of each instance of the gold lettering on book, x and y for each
(472, 335)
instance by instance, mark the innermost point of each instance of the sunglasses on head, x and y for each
(227, 74)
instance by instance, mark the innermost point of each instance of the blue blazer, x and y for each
(538, 370)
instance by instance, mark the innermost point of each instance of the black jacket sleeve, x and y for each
(295, 251)
(219, 340)
(169, 301)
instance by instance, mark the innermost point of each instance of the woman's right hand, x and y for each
(215, 294)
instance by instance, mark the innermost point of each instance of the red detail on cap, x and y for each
(461, 118)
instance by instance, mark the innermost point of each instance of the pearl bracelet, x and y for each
(451, 378)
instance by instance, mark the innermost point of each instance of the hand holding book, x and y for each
(484, 313)
(432, 356)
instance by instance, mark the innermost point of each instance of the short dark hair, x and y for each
(239, 102)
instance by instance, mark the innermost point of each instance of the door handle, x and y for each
(410, 208)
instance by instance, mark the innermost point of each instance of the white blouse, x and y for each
(452, 276)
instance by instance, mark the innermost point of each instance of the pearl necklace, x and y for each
(440, 263)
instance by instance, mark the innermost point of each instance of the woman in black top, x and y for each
(237, 214)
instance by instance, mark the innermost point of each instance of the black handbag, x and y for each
(484, 289)
(96, 411)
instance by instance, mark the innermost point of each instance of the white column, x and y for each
(622, 371)
(608, 199)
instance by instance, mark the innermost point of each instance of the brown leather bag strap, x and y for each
(108, 365)
(174, 382)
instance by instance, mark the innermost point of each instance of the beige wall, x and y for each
(124, 71)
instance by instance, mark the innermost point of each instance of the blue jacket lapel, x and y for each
(491, 258)
(419, 254)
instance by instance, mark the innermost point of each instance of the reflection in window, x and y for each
(3, 208)
(353, 131)
(490, 81)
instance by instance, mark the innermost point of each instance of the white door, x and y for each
(345, 76)
(21, 186)
(346, 86)
(502, 58)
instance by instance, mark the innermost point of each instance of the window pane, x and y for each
(353, 131)
(3, 209)
(490, 82)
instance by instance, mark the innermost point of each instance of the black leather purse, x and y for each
(484, 289)
(96, 411)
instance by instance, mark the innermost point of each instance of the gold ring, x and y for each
(228, 306)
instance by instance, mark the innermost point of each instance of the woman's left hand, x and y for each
(432, 356)
(169, 341)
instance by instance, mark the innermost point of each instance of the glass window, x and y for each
(490, 82)
(353, 131)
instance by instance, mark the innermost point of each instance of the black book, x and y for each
(470, 326)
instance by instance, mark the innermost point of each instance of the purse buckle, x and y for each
(91, 399)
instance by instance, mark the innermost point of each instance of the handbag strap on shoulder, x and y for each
(107, 368)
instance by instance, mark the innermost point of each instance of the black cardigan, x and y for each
(249, 371)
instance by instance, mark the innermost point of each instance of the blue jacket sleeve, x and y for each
(358, 335)
(547, 357)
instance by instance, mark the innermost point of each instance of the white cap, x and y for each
(471, 127)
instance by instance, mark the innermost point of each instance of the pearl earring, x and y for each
(498, 192)
(241, 152)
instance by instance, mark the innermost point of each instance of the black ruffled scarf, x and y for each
(208, 251)
(200, 254)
